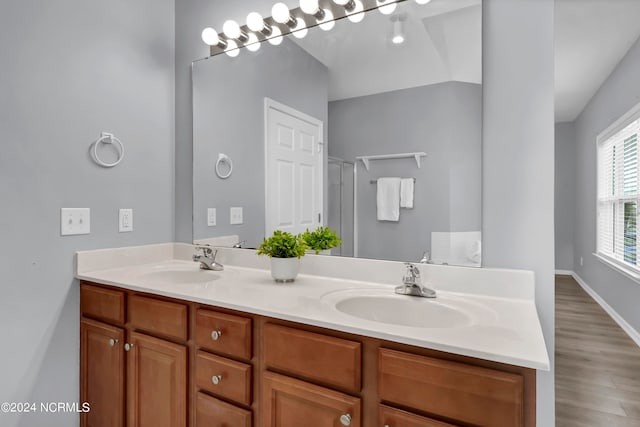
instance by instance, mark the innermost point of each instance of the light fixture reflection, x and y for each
(398, 32)
(253, 42)
(300, 31)
(276, 36)
(232, 49)
(357, 13)
(386, 7)
(327, 23)
(422, 1)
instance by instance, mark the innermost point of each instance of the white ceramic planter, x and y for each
(284, 270)
(312, 252)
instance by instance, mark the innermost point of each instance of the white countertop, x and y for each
(503, 329)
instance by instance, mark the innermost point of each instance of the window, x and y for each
(619, 192)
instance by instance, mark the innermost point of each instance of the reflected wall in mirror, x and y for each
(296, 118)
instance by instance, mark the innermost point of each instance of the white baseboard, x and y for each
(564, 273)
(633, 334)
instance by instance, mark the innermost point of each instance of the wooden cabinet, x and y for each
(102, 374)
(130, 378)
(457, 391)
(211, 412)
(393, 417)
(156, 382)
(325, 359)
(288, 402)
(192, 365)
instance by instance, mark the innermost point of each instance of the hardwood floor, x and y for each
(597, 364)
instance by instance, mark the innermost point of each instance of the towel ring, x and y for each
(108, 138)
(224, 162)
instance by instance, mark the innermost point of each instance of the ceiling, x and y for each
(591, 37)
(444, 43)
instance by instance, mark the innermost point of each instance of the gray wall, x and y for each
(443, 120)
(616, 96)
(565, 187)
(518, 153)
(71, 69)
(191, 17)
(228, 117)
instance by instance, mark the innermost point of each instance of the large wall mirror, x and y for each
(316, 131)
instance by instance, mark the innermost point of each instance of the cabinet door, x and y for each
(156, 383)
(288, 402)
(101, 374)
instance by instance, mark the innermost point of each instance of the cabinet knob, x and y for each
(113, 342)
(215, 335)
(128, 347)
(216, 379)
(345, 419)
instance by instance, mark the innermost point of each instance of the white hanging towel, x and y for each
(388, 199)
(406, 193)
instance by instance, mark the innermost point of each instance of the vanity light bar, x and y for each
(311, 13)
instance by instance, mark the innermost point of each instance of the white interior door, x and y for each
(294, 169)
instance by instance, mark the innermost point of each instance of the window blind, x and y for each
(619, 195)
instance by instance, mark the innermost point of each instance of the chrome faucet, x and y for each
(208, 258)
(413, 284)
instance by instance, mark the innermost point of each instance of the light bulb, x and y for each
(341, 2)
(357, 14)
(280, 13)
(253, 43)
(210, 36)
(301, 29)
(309, 7)
(232, 49)
(327, 23)
(231, 29)
(276, 36)
(422, 1)
(398, 33)
(386, 7)
(255, 21)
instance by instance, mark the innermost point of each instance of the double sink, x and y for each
(375, 304)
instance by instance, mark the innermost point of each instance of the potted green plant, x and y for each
(285, 250)
(322, 239)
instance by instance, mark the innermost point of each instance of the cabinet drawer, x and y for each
(328, 360)
(211, 412)
(233, 378)
(457, 391)
(162, 317)
(290, 402)
(224, 333)
(392, 417)
(106, 304)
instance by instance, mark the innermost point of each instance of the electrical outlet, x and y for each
(211, 217)
(75, 221)
(235, 216)
(125, 220)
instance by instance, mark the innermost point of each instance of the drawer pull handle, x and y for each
(216, 379)
(113, 342)
(128, 347)
(345, 419)
(215, 335)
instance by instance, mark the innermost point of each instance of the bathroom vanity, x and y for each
(164, 343)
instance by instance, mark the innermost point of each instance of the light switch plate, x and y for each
(125, 220)
(235, 216)
(75, 221)
(211, 217)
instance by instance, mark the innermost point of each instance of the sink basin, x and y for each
(177, 274)
(384, 306)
